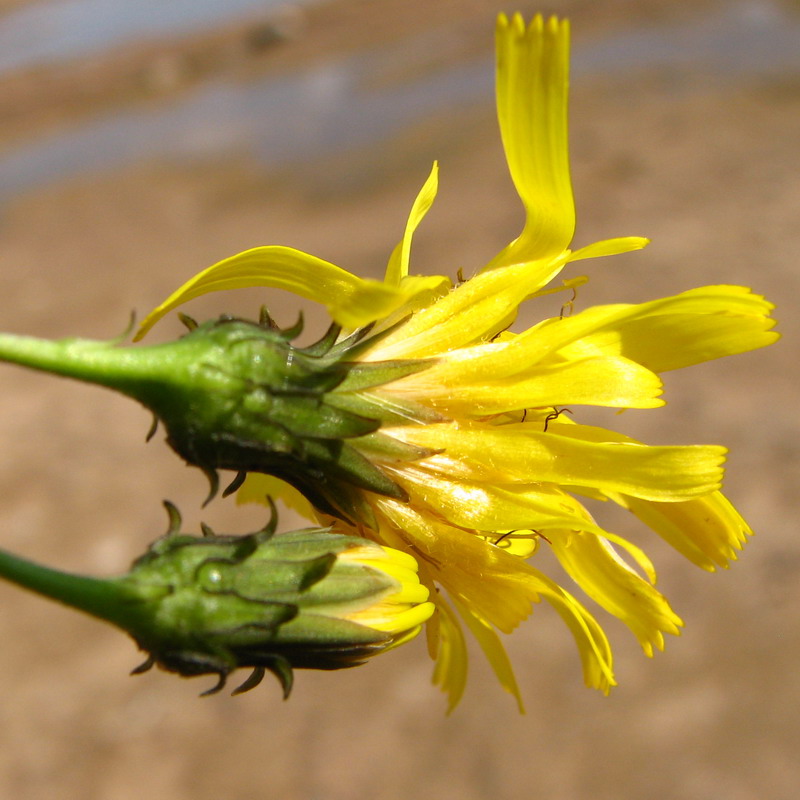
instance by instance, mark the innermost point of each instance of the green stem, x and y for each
(112, 599)
(101, 363)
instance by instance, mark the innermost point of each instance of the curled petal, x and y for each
(597, 568)
(351, 301)
(707, 530)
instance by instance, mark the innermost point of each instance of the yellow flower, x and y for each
(500, 466)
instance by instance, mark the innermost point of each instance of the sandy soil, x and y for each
(707, 169)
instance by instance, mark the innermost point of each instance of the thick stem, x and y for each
(101, 363)
(112, 599)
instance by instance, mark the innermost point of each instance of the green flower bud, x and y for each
(238, 395)
(211, 604)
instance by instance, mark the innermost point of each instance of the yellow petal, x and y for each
(450, 672)
(532, 86)
(577, 455)
(672, 332)
(696, 326)
(609, 247)
(397, 268)
(493, 649)
(499, 587)
(490, 507)
(258, 487)
(496, 585)
(638, 555)
(707, 530)
(406, 623)
(593, 645)
(474, 310)
(469, 386)
(598, 569)
(351, 301)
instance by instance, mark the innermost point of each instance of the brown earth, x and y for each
(706, 168)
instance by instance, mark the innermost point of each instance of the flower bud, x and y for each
(212, 604)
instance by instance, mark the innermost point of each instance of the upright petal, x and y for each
(397, 268)
(609, 247)
(532, 85)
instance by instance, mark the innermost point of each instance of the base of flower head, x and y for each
(307, 599)
(239, 395)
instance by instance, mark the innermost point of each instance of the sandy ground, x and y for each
(707, 169)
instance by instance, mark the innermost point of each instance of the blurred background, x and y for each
(141, 142)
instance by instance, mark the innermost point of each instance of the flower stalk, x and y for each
(113, 600)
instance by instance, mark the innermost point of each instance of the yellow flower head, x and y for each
(490, 467)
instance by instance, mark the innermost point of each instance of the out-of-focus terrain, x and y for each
(127, 167)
